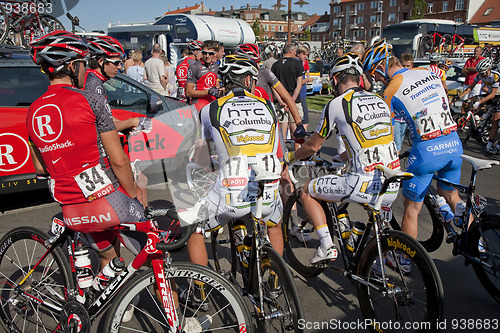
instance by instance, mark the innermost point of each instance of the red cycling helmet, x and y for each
(195, 45)
(106, 46)
(58, 48)
(248, 50)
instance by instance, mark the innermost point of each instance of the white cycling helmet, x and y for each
(484, 65)
(435, 57)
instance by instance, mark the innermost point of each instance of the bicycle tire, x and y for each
(4, 24)
(447, 46)
(227, 307)
(30, 29)
(283, 301)
(299, 252)
(430, 229)
(425, 46)
(416, 298)
(488, 232)
(20, 249)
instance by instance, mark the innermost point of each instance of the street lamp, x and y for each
(279, 5)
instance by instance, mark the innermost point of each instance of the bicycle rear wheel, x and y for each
(4, 24)
(301, 246)
(20, 250)
(430, 229)
(282, 307)
(227, 310)
(34, 27)
(414, 300)
(426, 46)
(484, 243)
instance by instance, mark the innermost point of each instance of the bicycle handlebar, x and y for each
(172, 213)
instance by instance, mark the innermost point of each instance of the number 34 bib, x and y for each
(94, 183)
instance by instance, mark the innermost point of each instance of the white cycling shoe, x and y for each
(323, 255)
(197, 324)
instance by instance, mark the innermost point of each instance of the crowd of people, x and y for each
(236, 98)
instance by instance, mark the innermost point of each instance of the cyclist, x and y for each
(202, 84)
(193, 49)
(105, 53)
(491, 81)
(244, 130)
(435, 67)
(363, 121)
(418, 96)
(74, 140)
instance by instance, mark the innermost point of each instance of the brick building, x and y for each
(364, 19)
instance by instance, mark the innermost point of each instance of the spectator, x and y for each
(155, 72)
(219, 53)
(302, 56)
(470, 73)
(406, 60)
(289, 71)
(340, 52)
(170, 77)
(136, 71)
(320, 64)
(365, 81)
(269, 62)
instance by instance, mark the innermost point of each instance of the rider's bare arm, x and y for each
(36, 157)
(119, 161)
(192, 92)
(310, 147)
(290, 102)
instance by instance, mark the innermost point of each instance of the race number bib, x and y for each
(94, 183)
(386, 155)
(434, 125)
(386, 213)
(57, 226)
(235, 172)
(268, 162)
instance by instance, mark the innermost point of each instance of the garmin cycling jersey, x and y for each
(490, 82)
(244, 129)
(65, 124)
(203, 78)
(94, 82)
(363, 122)
(418, 96)
(181, 73)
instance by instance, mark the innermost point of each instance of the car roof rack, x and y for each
(9, 49)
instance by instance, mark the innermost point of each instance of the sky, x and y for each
(97, 14)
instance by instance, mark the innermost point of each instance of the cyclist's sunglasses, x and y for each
(208, 52)
(483, 73)
(114, 62)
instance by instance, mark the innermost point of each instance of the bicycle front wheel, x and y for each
(410, 302)
(282, 308)
(4, 24)
(138, 309)
(301, 240)
(22, 309)
(36, 26)
(484, 243)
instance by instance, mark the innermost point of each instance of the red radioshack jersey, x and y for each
(65, 125)
(204, 78)
(182, 70)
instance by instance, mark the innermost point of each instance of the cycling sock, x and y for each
(324, 236)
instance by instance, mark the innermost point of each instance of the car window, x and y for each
(21, 86)
(123, 95)
(313, 67)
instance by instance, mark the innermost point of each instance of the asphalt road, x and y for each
(329, 298)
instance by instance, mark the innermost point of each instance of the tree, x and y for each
(419, 8)
(256, 28)
(306, 35)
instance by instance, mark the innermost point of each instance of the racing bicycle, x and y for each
(39, 291)
(385, 295)
(475, 124)
(478, 243)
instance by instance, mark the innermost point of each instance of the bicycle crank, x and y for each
(74, 318)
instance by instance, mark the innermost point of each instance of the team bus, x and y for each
(406, 36)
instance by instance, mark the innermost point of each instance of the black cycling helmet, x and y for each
(104, 46)
(194, 46)
(234, 65)
(58, 49)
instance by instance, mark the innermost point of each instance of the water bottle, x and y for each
(358, 229)
(344, 224)
(83, 267)
(112, 269)
(459, 213)
(445, 209)
(247, 249)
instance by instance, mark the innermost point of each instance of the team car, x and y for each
(159, 153)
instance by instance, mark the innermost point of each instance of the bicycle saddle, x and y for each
(191, 215)
(263, 175)
(479, 164)
(394, 174)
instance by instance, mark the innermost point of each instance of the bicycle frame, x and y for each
(149, 252)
